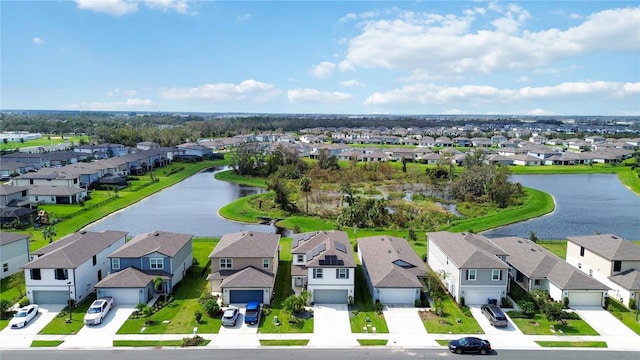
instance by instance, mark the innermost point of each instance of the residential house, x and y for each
(324, 265)
(13, 168)
(611, 260)
(135, 266)
(14, 252)
(14, 196)
(394, 272)
(54, 194)
(534, 267)
(48, 176)
(35, 160)
(244, 267)
(472, 269)
(70, 267)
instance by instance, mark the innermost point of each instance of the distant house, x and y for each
(324, 265)
(394, 272)
(534, 267)
(70, 267)
(470, 266)
(14, 252)
(147, 145)
(134, 266)
(611, 260)
(14, 196)
(43, 194)
(48, 176)
(244, 267)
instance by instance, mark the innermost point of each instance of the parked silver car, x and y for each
(495, 315)
(230, 316)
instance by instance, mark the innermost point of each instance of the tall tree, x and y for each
(305, 187)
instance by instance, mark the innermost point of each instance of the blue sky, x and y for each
(353, 57)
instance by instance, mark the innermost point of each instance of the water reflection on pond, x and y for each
(190, 206)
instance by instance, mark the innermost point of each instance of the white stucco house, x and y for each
(14, 252)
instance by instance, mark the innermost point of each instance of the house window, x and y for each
(95, 260)
(317, 273)
(35, 274)
(266, 263)
(471, 274)
(61, 274)
(536, 282)
(156, 263)
(115, 263)
(300, 258)
(342, 273)
(226, 263)
(617, 265)
(5, 267)
(581, 250)
(496, 275)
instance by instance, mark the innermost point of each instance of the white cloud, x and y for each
(112, 7)
(317, 96)
(38, 41)
(125, 92)
(575, 16)
(130, 104)
(446, 44)
(222, 92)
(351, 83)
(541, 112)
(523, 79)
(323, 70)
(181, 6)
(243, 17)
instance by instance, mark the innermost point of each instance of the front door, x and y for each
(298, 281)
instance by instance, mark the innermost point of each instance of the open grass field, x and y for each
(44, 141)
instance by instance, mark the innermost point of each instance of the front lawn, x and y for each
(628, 317)
(598, 344)
(448, 323)
(363, 314)
(46, 343)
(284, 342)
(178, 317)
(539, 325)
(59, 324)
(372, 342)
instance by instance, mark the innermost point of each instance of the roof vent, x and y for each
(156, 234)
(83, 232)
(534, 250)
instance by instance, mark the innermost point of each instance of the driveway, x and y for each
(612, 330)
(488, 329)
(239, 336)
(405, 327)
(22, 338)
(331, 326)
(101, 335)
(507, 337)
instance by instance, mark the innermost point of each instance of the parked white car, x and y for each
(23, 316)
(98, 310)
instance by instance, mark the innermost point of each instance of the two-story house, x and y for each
(611, 260)
(244, 267)
(394, 272)
(134, 266)
(14, 195)
(14, 252)
(534, 267)
(469, 265)
(70, 267)
(324, 265)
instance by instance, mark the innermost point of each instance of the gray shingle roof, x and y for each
(628, 279)
(391, 262)
(163, 242)
(74, 250)
(127, 278)
(536, 262)
(609, 246)
(54, 190)
(468, 251)
(8, 237)
(249, 277)
(323, 244)
(12, 189)
(247, 244)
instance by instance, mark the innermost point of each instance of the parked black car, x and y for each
(470, 344)
(495, 315)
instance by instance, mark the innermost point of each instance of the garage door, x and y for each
(123, 296)
(245, 296)
(50, 297)
(330, 296)
(397, 296)
(585, 298)
(477, 297)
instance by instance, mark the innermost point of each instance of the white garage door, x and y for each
(478, 297)
(584, 298)
(123, 296)
(397, 296)
(330, 296)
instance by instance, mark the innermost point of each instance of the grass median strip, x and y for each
(372, 342)
(146, 343)
(284, 342)
(597, 344)
(46, 343)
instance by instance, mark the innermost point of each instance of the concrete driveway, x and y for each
(612, 330)
(507, 337)
(22, 338)
(489, 329)
(101, 335)
(331, 326)
(239, 336)
(405, 327)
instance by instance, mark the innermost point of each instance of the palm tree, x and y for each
(305, 187)
(49, 232)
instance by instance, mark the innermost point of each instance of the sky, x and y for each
(339, 57)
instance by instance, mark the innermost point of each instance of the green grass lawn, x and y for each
(180, 312)
(443, 342)
(598, 344)
(284, 342)
(539, 325)
(45, 140)
(628, 317)
(558, 247)
(448, 323)
(12, 288)
(146, 343)
(230, 176)
(372, 342)
(59, 324)
(631, 179)
(46, 343)
(364, 309)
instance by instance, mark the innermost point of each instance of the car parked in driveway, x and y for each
(230, 316)
(23, 316)
(252, 313)
(98, 310)
(495, 315)
(470, 344)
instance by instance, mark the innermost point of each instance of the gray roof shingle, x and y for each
(163, 242)
(323, 244)
(249, 277)
(9, 237)
(127, 278)
(628, 279)
(609, 246)
(391, 262)
(468, 251)
(247, 244)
